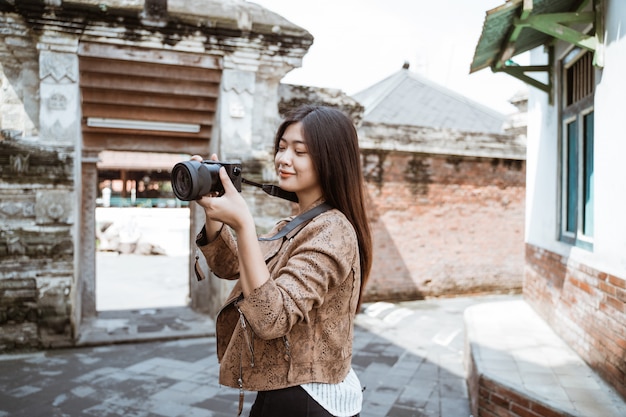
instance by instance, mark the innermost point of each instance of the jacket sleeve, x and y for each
(221, 253)
(320, 257)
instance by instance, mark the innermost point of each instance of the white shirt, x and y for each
(341, 400)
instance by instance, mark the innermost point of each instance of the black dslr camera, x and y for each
(193, 179)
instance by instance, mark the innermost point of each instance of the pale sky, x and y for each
(360, 42)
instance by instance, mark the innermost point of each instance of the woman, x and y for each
(286, 330)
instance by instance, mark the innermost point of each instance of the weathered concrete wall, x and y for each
(36, 245)
(37, 190)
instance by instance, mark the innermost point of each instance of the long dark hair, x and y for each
(333, 144)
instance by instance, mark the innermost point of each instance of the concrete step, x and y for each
(517, 365)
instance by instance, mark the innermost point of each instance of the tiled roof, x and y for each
(406, 98)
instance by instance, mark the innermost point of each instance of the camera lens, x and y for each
(183, 175)
(192, 179)
(183, 182)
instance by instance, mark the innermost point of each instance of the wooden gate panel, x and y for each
(178, 98)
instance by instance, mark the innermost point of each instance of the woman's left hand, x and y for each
(230, 207)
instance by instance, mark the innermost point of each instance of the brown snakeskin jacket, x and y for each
(298, 326)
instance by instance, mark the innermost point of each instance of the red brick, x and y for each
(606, 288)
(615, 303)
(613, 373)
(611, 348)
(544, 411)
(483, 412)
(618, 282)
(496, 409)
(484, 393)
(523, 411)
(588, 271)
(518, 399)
(499, 401)
(582, 285)
(510, 395)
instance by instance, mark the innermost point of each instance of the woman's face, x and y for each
(295, 166)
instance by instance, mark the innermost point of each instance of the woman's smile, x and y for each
(285, 174)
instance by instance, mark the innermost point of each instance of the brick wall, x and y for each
(444, 225)
(584, 306)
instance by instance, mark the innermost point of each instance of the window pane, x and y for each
(571, 177)
(588, 189)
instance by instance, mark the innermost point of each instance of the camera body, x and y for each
(193, 179)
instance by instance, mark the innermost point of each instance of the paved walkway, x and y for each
(409, 357)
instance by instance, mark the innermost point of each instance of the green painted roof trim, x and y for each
(518, 26)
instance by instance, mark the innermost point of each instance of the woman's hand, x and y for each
(231, 208)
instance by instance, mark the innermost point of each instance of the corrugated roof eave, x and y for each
(499, 24)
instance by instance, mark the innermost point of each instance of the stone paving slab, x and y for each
(409, 357)
(145, 324)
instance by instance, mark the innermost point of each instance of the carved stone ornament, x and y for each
(15, 246)
(53, 206)
(57, 101)
(58, 133)
(58, 66)
(238, 81)
(19, 164)
(10, 208)
(237, 110)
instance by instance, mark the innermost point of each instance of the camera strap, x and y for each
(273, 190)
(297, 221)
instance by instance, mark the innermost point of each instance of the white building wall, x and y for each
(610, 158)
(541, 157)
(543, 178)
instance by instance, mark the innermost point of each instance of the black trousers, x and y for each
(292, 402)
